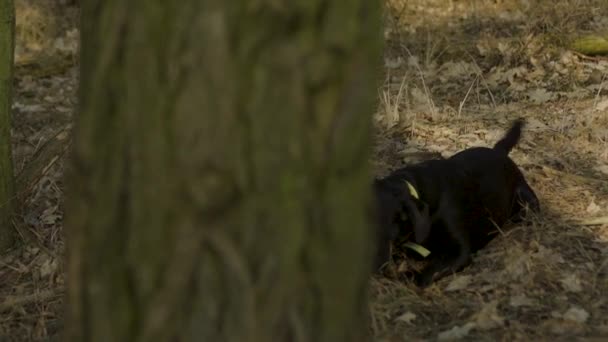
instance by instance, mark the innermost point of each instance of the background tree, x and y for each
(220, 178)
(7, 48)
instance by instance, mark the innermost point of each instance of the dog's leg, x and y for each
(525, 199)
(443, 267)
(440, 267)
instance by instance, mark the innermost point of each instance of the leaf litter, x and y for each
(31, 290)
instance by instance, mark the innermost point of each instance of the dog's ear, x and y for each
(420, 217)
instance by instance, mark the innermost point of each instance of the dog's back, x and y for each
(482, 159)
(502, 188)
(465, 198)
(504, 145)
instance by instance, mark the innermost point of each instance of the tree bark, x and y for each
(220, 180)
(7, 49)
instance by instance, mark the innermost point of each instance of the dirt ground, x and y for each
(456, 74)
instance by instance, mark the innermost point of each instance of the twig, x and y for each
(594, 221)
(570, 175)
(466, 96)
(591, 58)
(599, 91)
(427, 91)
(483, 79)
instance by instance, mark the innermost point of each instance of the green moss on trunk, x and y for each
(220, 176)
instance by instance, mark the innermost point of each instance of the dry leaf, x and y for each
(540, 96)
(28, 108)
(560, 326)
(602, 105)
(576, 314)
(407, 317)
(460, 282)
(419, 98)
(413, 61)
(593, 208)
(393, 63)
(48, 267)
(488, 317)
(602, 169)
(521, 300)
(516, 263)
(547, 255)
(534, 124)
(50, 215)
(456, 71)
(571, 283)
(456, 332)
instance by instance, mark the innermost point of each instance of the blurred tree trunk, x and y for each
(7, 49)
(220, 179)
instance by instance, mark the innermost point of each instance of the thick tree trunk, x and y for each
(219, 182)
(7, 48)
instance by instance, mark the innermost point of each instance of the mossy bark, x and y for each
(220, 179)
(7, 192)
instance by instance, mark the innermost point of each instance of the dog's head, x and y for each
(399, 210)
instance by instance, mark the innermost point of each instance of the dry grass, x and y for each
(457, 72)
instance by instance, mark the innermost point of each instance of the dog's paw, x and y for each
(408, 276)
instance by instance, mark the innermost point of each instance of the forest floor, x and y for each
(456, 74)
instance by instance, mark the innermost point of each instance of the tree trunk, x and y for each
(7, 49)
(220, 180)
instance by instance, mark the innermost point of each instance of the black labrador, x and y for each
(453, 207)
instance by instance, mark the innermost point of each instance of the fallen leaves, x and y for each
(571, 283)
(488, 317)
(459, 282)
(520, 300)
(540, 96)
(576, 314)
(407, 317)
(456, 332)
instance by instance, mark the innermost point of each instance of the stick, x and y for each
(598, 221)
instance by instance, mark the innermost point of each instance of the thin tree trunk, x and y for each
(7, 48)
(219, 184)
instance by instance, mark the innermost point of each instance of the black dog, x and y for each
(452, 207)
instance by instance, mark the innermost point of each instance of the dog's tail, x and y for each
(510, 139)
